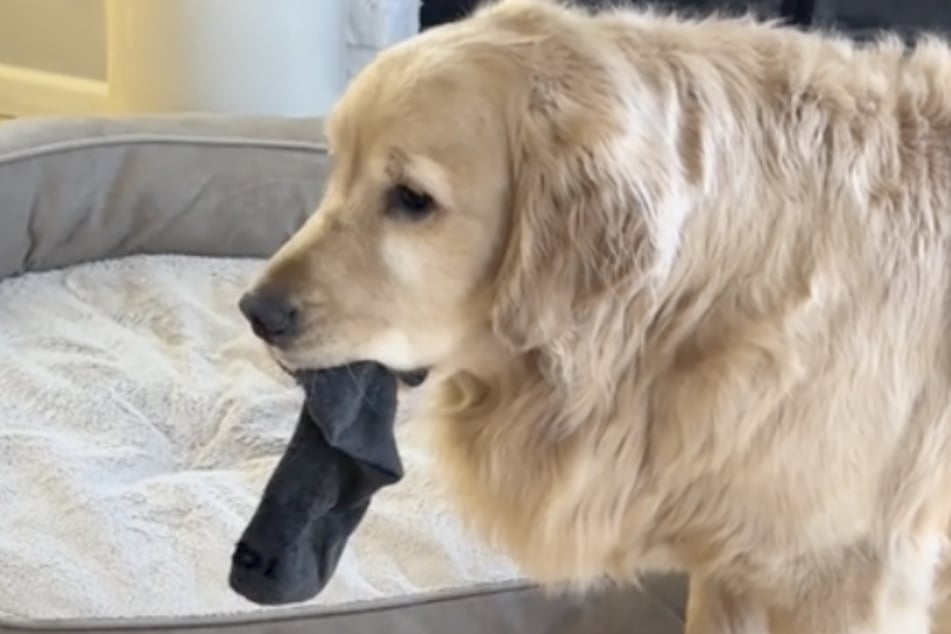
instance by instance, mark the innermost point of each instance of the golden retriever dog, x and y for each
(682, 286)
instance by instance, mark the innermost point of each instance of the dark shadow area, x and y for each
(861, 18)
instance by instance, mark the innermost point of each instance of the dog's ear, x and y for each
(586, 227)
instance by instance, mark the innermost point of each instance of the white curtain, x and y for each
(275, 57)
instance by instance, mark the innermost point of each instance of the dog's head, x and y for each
(487, 188)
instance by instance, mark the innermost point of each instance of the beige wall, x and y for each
(60, 36)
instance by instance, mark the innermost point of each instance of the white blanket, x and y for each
(140, 422)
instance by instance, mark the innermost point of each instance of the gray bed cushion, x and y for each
(501, 610)
(77, 190)
(74, 190)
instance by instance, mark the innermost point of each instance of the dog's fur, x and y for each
(684, 292)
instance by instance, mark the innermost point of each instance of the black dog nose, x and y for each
(272, 316)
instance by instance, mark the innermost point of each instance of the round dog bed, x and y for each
(141, 418)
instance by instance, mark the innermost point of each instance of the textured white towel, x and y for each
(139, 421)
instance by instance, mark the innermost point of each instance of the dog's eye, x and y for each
(408, 202)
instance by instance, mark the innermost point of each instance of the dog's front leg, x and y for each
(712, 609)
(854, 618)
(867, 592)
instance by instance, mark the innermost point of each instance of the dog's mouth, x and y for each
(413, 378)
(410, 378)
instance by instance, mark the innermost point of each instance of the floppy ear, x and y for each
(585, 226)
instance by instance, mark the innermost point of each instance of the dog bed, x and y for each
(141, 419)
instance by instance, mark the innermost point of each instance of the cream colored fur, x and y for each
(684, 293)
